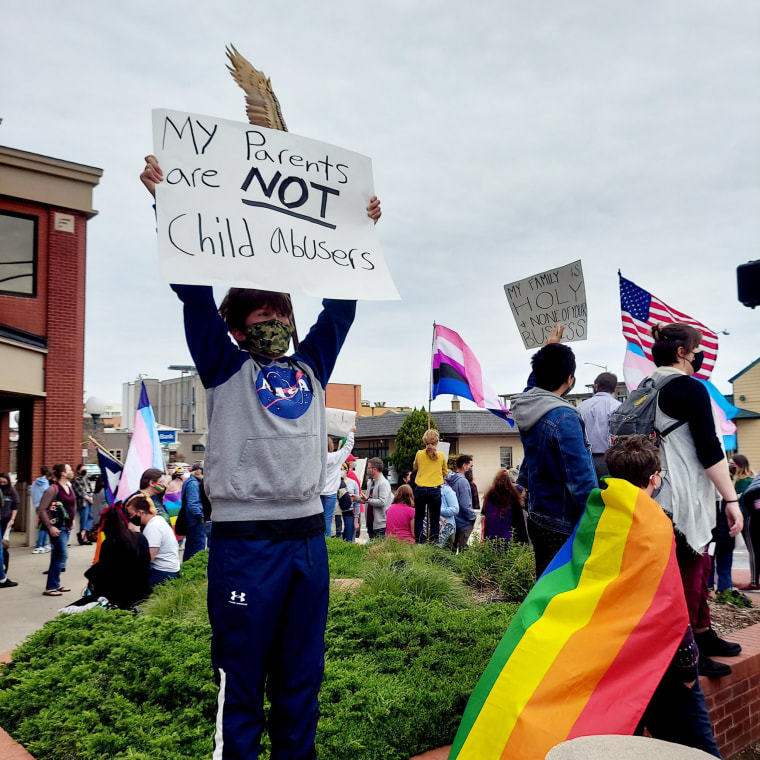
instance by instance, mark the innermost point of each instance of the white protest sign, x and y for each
(339, 422)
(254, 207)
(557, 296)
(444, 447)
(360, 466)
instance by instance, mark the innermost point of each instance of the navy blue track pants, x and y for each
(267, 603)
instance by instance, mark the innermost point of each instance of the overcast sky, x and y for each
(506, 138)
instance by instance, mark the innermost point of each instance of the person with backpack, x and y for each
(694, 467)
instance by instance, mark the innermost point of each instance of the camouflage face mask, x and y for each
(270, 338)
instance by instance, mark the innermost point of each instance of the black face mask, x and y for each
(696, 362)
(135, 520)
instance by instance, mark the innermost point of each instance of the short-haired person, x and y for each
(153, 486)
(266, 408)
(83, 491)
(465, 517)
(677, 711)
(192, 508)
(694, 467)
(379, 496)
(35, 491)
(557, 470)
(432, 469)
(162, 543)
(596, 412)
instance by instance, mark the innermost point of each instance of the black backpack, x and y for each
(636, 414)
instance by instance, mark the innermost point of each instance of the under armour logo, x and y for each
(238, 598)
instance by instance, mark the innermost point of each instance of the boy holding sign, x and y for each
(268, 578)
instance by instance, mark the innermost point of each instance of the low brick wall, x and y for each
(734, 701)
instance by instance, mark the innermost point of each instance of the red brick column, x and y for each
(64, 371)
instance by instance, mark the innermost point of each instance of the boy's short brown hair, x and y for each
(240, 302)
(633, 458)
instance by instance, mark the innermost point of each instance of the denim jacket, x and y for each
(558, 463)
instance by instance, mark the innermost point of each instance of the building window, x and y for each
(372, 448)
(505, 456)
(116, 454)
(18, 254)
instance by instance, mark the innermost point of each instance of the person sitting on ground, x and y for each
(153, 486)
(164, 551)
(677, 711)
(502, 511)
(399, 519)
(122, 572)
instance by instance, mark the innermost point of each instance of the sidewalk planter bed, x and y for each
(404, 650)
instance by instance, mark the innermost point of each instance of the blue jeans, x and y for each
(328, 505)
(58, 559)
(348, 528)
(678, 714)
(85, 518)
(195, 540)
(159, 576)
(267, 604)
(42, 539)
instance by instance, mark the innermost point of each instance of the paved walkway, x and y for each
(24, 609)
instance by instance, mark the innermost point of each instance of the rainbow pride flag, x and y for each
(588, 646)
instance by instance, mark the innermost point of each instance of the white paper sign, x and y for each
(339, 422)
(444, 447)
(557, 296)
(252, 207)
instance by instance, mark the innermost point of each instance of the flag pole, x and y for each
(430, 393)
(103, 449)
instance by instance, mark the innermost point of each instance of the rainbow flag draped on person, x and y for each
(588, 646)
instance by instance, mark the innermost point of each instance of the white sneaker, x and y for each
(48, 548)
(38, 550)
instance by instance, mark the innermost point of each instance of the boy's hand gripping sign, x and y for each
(252, 207)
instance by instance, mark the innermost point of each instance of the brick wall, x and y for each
(64, 367)
(734, 702)
(56, 313)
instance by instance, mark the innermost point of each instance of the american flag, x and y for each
(641, 311)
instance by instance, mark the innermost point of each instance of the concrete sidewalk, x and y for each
(24, 609)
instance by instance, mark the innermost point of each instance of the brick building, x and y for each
(45, 204)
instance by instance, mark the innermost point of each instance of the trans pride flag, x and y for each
(640, 311)
(588, 646)
(144, 448)
(456, 371)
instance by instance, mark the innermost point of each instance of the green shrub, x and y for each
(491, 564)
(401, 661)
(346, 559)
(426, 583)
